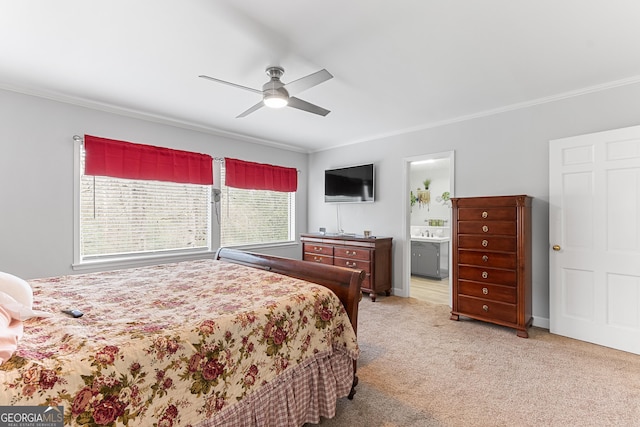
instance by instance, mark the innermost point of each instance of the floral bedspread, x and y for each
(168, 345)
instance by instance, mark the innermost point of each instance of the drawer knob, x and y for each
(485, 228)
(485, 291)
(316, 259)
(485, 274)
(315, 248)
(485, 214)
(485, 243)
(485, 258)
(485, 307)
(350, 265)
(351, 252)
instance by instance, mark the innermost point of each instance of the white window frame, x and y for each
(123, 261)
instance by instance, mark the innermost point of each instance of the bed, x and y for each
(240, 340)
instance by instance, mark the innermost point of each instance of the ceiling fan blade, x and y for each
(251, 110)
(307, 82)
(232, 84)
(306, 106)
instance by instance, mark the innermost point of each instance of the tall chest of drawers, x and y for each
(491, 260)
(373, 255)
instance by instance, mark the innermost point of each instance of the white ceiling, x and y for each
(398, 65)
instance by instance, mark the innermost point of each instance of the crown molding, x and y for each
(495, 111)
(141, 115)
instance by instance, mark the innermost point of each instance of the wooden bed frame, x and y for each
(344, 282)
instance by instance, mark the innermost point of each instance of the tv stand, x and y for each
(371, 254)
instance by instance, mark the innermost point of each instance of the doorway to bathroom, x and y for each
(429, 186)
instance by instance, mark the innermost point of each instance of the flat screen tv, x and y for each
(353, 184)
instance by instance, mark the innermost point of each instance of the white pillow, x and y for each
(11, 331)
(17, 288)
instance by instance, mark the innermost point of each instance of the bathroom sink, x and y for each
(429, 239)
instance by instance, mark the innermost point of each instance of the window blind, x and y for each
(122, 217)
(255, 216)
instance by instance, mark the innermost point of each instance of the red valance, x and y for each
(120, 159)
(260, 176)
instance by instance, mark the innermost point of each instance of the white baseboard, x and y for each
(539, 322)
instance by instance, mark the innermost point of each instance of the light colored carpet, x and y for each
(418, 368)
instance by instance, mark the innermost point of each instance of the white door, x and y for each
(594, 236)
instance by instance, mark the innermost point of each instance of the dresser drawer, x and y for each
(487, 275)
(487, 309)
(491, 251)
(322, 259)
(353, 263)
(487, 259)
(490, 214)
(487, 291)
(372, 255)
(507, 228)
(490, 243)
(316, 248)
(354, 253)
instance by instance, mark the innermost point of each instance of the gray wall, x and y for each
(500, 154)
(36, 175)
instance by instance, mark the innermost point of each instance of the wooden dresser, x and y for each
(491, 260)
(373, 255)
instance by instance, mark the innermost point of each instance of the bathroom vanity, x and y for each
(430, 257)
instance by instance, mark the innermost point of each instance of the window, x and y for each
(255, 216)
(126, 218)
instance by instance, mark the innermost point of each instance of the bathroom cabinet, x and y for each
(430, 259)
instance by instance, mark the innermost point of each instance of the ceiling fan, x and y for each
(276, 94)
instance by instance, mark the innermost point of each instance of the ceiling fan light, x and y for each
(275, 100)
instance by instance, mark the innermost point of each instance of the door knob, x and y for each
(556, 247)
